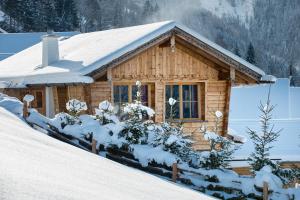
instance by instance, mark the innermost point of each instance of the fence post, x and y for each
(174, 172)
(25, 109)
(265, 191)
(94, 149)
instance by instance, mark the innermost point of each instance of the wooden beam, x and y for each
(173, 44)
(226, 114)
(232, 74)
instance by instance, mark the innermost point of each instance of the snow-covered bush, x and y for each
(170, 136)
(221, 148)
(105, 113)
(28, 98)
(173, 140)
(138, 119)
(75, 106)
(11, 104)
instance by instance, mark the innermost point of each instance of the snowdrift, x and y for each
(35, 166)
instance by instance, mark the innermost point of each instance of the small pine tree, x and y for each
(137, 123)
(171, 137)
(262, 141)
(221, 148)
(250, 57)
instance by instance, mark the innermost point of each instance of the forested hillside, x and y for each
(264, 32)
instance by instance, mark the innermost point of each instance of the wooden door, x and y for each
(63, 98)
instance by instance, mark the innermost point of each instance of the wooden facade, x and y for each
(171, 61)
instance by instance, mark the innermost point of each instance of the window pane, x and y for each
(194, 93)
(194, 110)
(175, 111)
(124, 93)
(116, 94)
(186, 92)
(144, 90)
(120, 94)
(175, 92)
(186, 110)
(172, 91)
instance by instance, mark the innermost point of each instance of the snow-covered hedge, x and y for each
(11, 104)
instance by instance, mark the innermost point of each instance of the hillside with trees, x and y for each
(266, 33)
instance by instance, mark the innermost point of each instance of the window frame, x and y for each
(199, 96)
(129, 92)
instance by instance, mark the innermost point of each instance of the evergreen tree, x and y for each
(237, 51)
(250, 57)
(66, 15)
(148, 9)
(263, 141)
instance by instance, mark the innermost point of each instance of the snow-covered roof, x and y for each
(12, 43)
(84, 53)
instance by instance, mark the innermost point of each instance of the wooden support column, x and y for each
(159, 101)
(226, 114)
(232, 75)
(109, 78)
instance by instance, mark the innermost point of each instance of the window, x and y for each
(144, 90)
(190, 101)
(187, 101)
(127, 94)
(172, 91)
(120, 95)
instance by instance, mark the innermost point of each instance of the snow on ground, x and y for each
(35, 166)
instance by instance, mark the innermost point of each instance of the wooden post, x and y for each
(265, 191)
(174, 172)
(94, 149)
(25, 109)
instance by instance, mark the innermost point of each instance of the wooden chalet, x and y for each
(169, 59)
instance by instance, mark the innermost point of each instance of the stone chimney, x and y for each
(50, 50)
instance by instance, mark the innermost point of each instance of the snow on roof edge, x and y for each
(169, 25)
(161, 30)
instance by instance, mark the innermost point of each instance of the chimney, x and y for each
(50, 50)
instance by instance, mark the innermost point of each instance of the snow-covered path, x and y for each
(35, 166)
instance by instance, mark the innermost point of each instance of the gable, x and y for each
(160, 62)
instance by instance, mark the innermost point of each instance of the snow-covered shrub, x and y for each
(75, 106)
(221, 150)
(63, 119)
(173, 140)
(262, 141)
(170, 136)
(138, 119)
(28, 98)
(105, 113)
(11, 104)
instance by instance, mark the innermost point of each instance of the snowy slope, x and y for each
(35, 166)
(242, 9)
